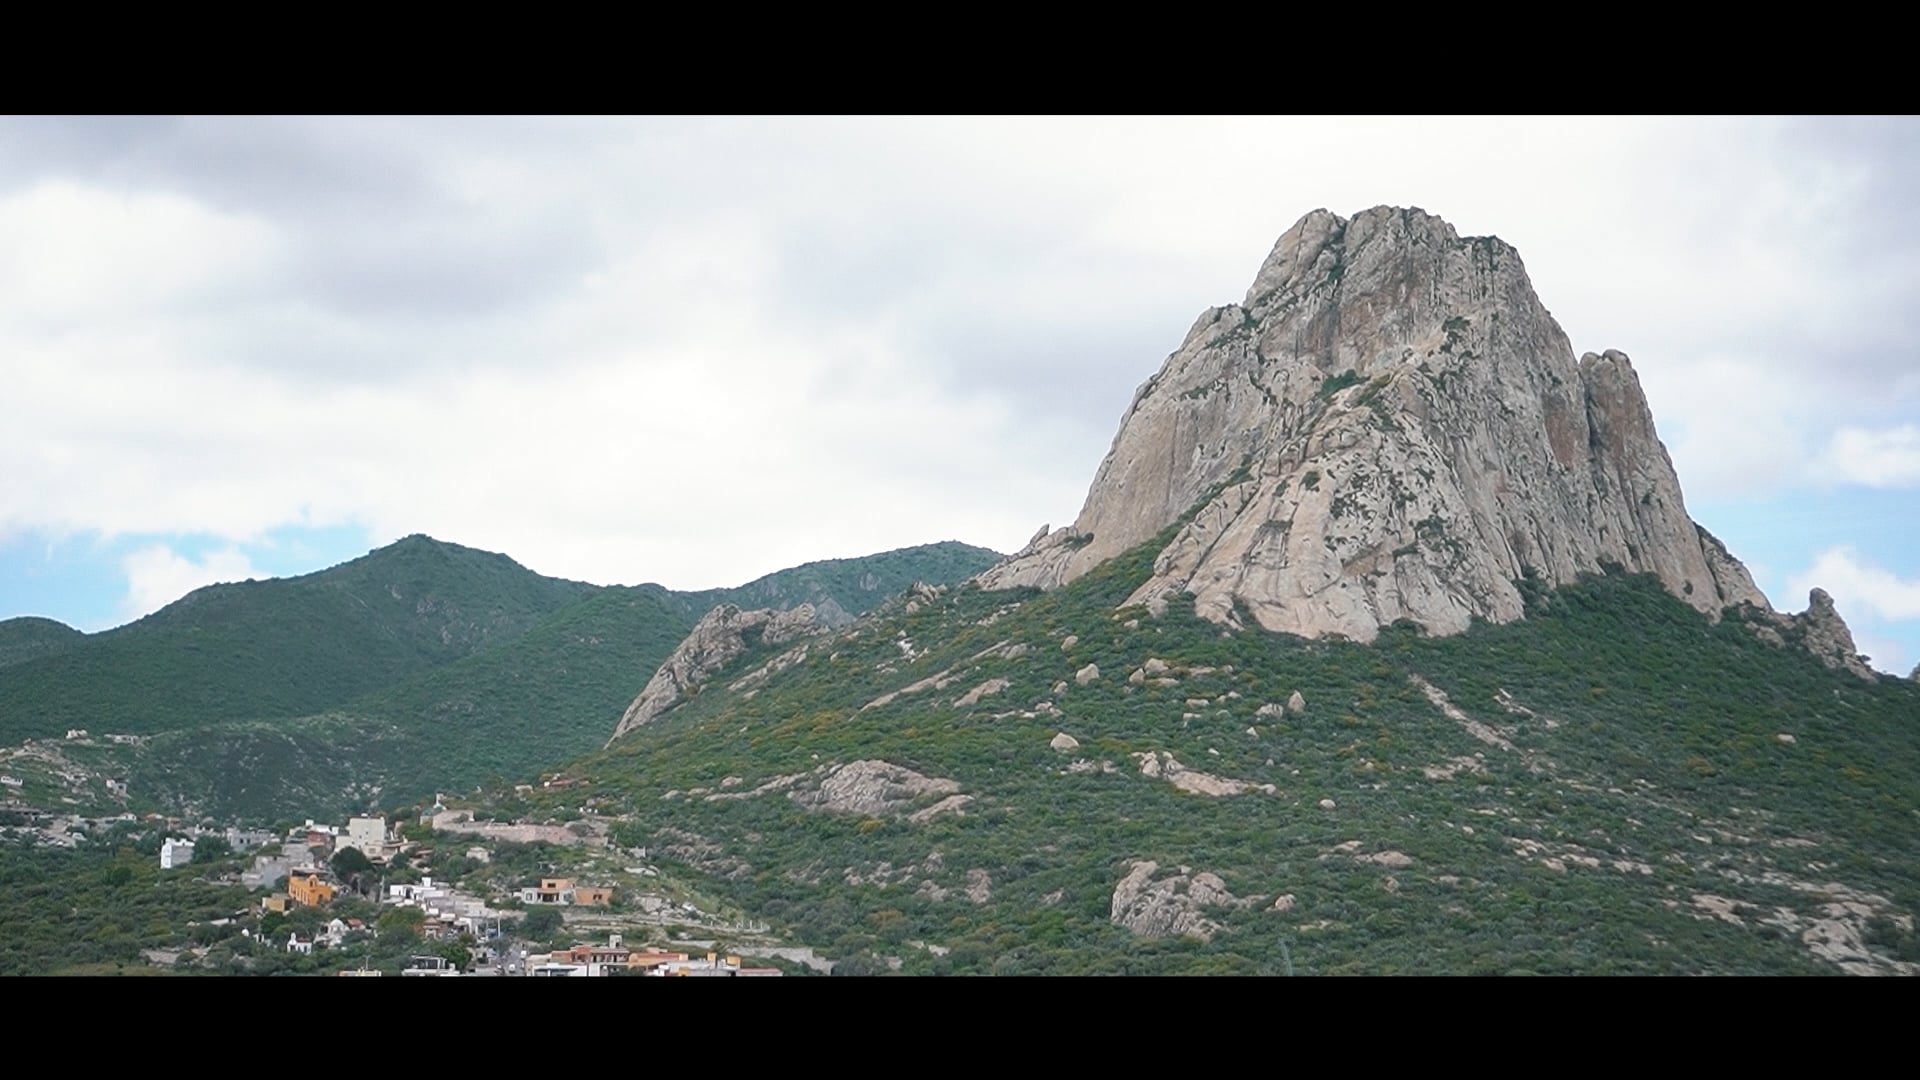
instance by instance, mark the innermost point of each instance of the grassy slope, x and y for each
(283, 647)
(550, 695)
(93, 911)
(856, 585)
(1652, 743)
(27, 637)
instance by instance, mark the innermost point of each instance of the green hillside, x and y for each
(423, 667)
(549, 696)
(855, 586)
(284, 647)
(30, 636)
(1612, 785)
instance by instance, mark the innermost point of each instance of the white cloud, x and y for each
(1873, 601)
(699, 350)
(157, 576)
(1883, 653)
(1857, 585)
(1888, 458)
(73, 255)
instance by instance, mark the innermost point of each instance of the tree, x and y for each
(208, 849)
(456, 954)
(541, 924)
(400, 922)
(348, 864)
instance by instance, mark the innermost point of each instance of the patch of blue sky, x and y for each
(1782, 540)
(87, 580)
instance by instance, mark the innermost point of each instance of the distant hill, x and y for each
(420, 667)
(24, 638)
(283, 647)
(854, 586)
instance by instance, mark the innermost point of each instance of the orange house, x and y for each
(593, 895)
(308, 890)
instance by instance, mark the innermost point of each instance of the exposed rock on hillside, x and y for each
(871, 788)
(1819, 629)
(866, 788)
(1172, 906)
(1162, 765)
(717, 640)
(1389, 426)
(973, 696)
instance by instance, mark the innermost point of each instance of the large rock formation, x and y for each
(719, 638)
(1389, 426)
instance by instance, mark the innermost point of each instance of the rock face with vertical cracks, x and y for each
(1389, 426)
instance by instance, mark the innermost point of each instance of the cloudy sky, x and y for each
(694, 351)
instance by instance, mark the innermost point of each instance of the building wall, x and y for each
(369, 834)
(309, 890)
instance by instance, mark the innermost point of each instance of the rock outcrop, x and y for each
(1160, 765)
(1819, 630)
(1389, 426)
(873, 789)
(1173, 906)
(718, 639)
(1826, 636)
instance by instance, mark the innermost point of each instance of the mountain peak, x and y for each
(1390, 426)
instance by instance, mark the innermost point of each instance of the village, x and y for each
(316, 864)
(478, 898)
(322, 889)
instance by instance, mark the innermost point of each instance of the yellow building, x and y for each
(307, 890)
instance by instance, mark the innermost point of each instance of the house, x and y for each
(653, 963)
(307, 890)
(245, 840)
(549, 891)
(567, 891)
(369, 834)
(581, 960)
(278, 902)
(268, 871)
(429, 965)
(175, 853)
(298, 944)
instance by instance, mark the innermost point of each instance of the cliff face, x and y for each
(719, 638)
(1389, 426)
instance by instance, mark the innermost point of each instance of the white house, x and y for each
(369, 834)
(175, 853)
